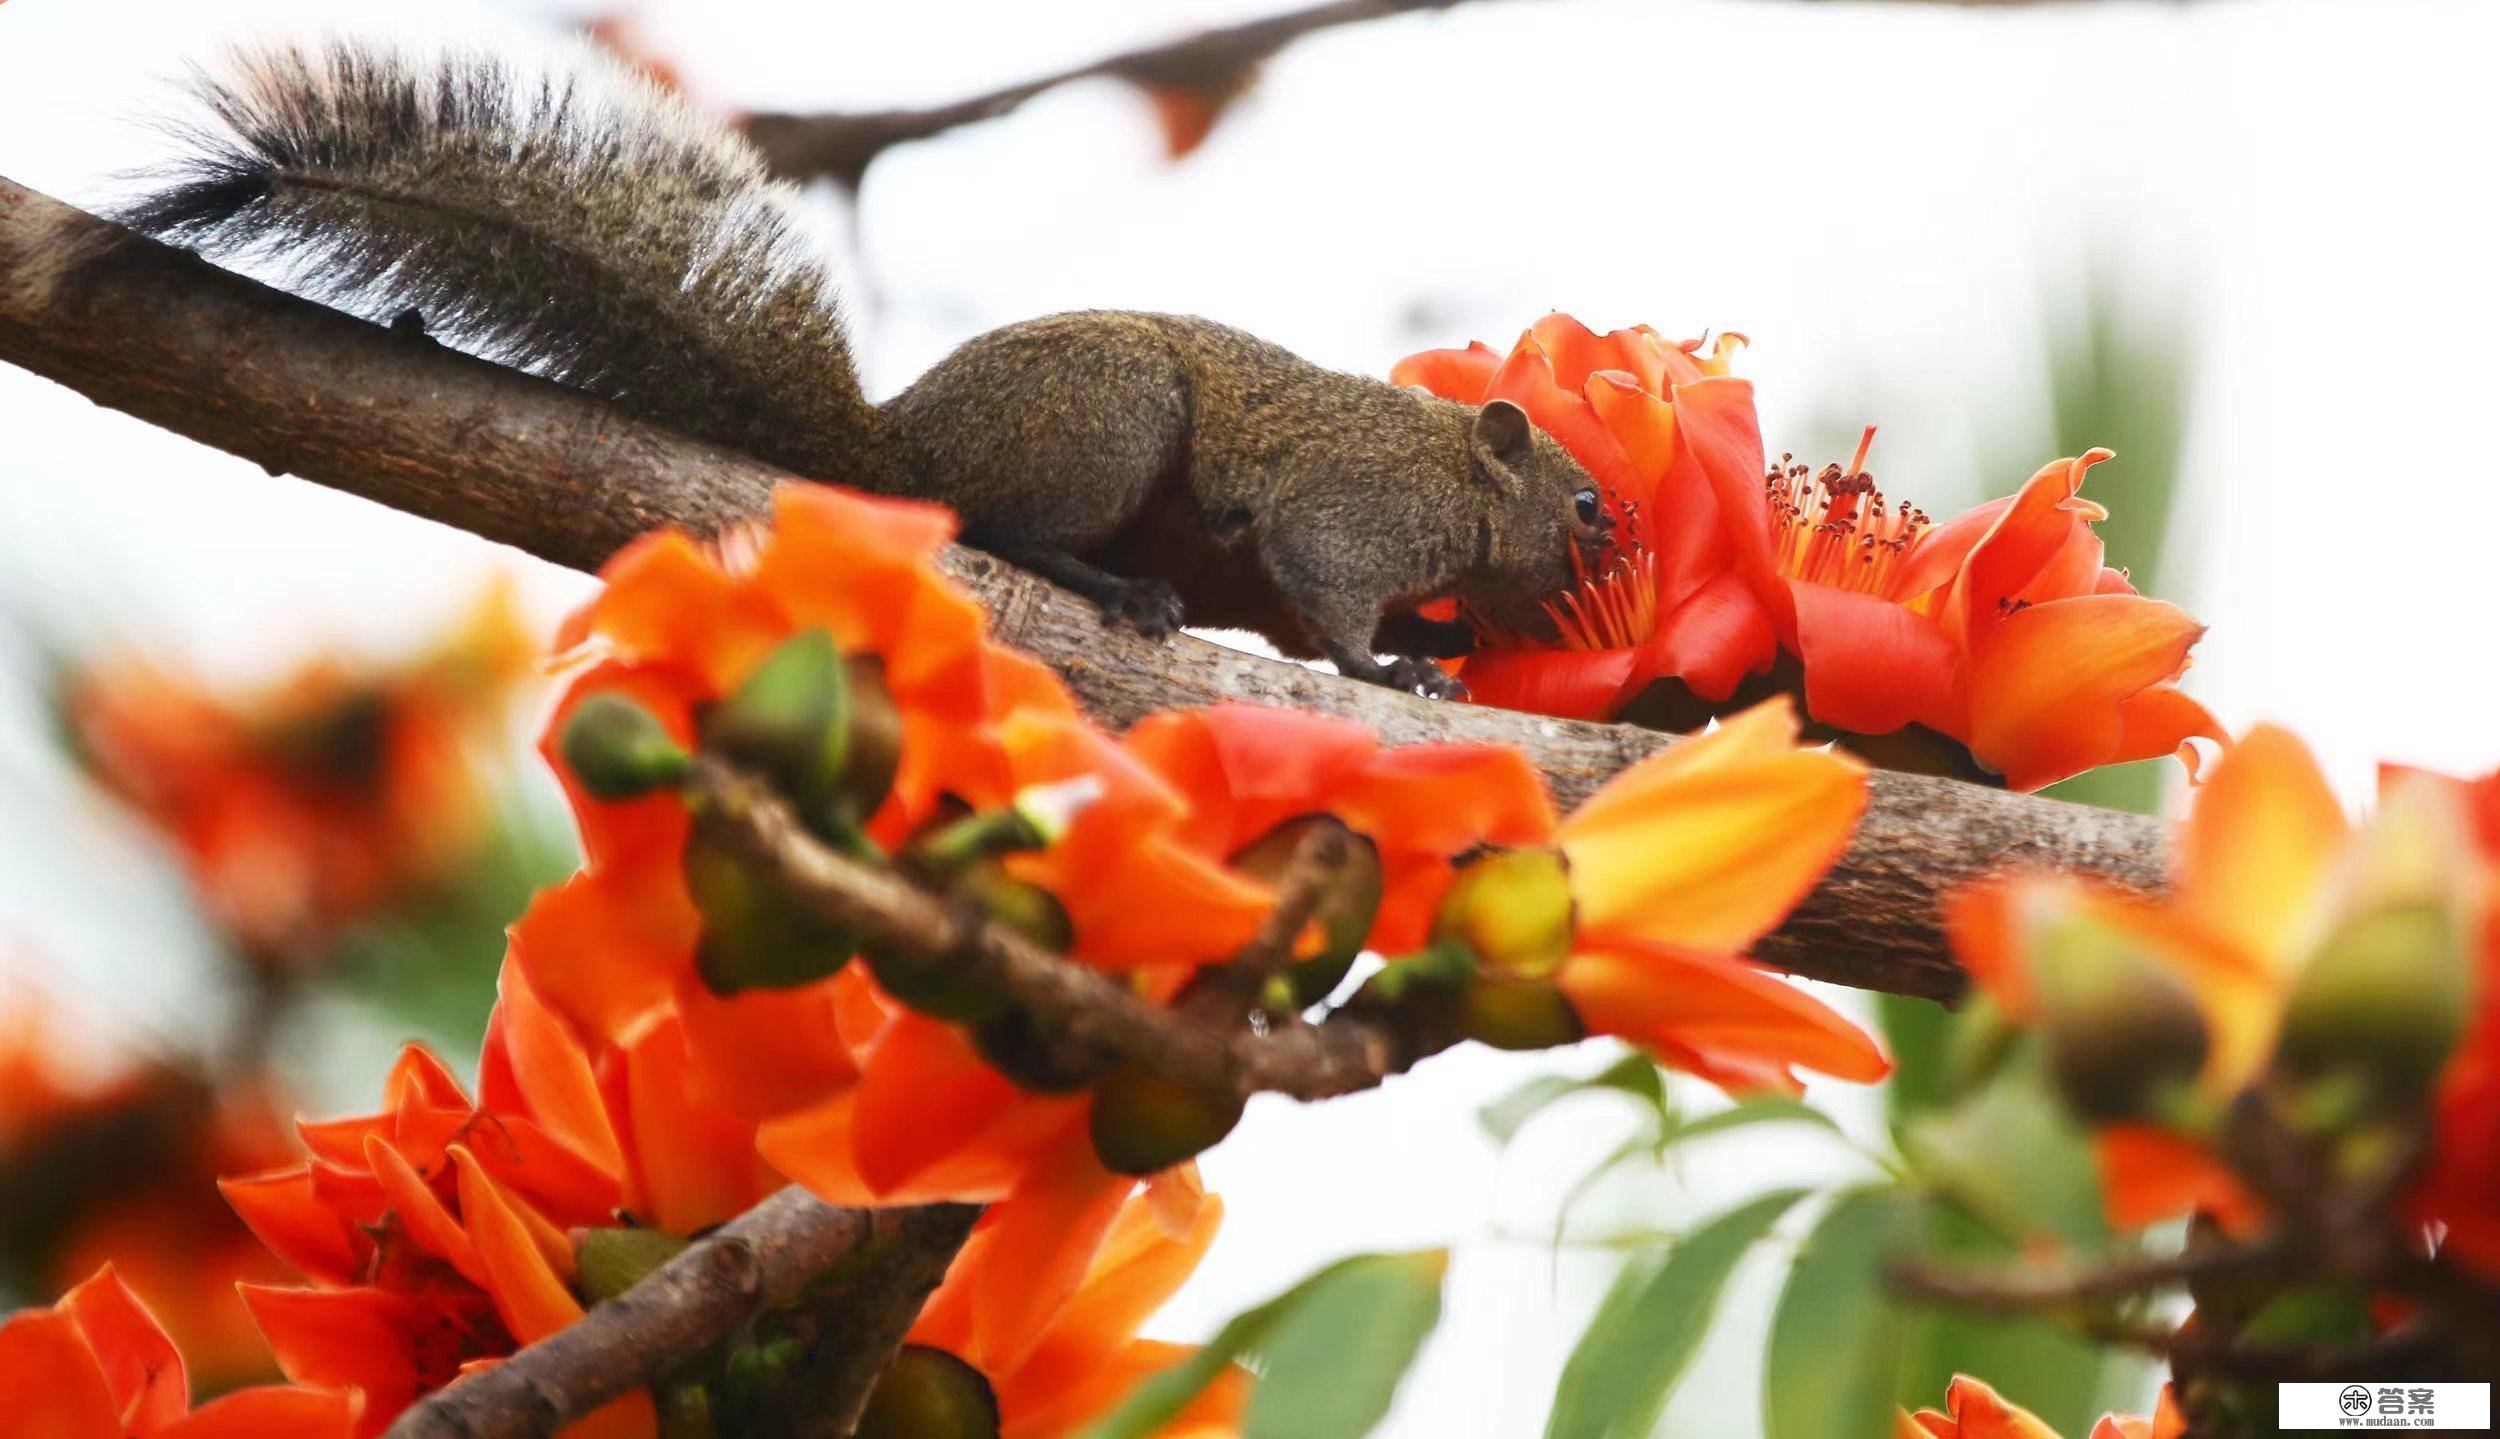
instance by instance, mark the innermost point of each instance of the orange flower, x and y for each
(1676, 867)
(1975, 1411)
(97, 1366)
(436, 1232)
(300, 808)
(678, 626)
(121, 1171)
(2266, 867)
(2001, 628)
(1088, 1356)
(2462, 1188)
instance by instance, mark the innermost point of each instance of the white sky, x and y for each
(1878, 194)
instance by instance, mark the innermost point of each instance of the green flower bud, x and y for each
(619, 750)
(929, 1394)
(1144, 1123)
(2383, 1001)
(1014, 1043)
(755, 934)
(685, 1411)
(942, 851)
(1513, 909)
(822, 728)
(938, 985)
(607, 1262)
(2123, 1031)
(1347, 906)
(1517, 1014)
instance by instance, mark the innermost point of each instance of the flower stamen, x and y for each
(1834, 527)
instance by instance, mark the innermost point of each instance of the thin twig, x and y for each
(1087, 1012)
(842, 146)
(2000, 1291)
(755, 1262)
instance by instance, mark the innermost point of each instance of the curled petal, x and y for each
(529, 1294)
(53, 1381)
(2048, 684)
(1734, 1016)
(1461, 375)
(140, 1365)
(280, 1209)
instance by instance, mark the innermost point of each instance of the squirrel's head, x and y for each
(1541, 508)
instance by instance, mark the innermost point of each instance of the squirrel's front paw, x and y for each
(1423, 677)
(1150, 607)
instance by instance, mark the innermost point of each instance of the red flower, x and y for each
(96, 1366)
(299, 809)
(2001, 628)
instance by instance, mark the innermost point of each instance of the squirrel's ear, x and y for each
(1502, 439)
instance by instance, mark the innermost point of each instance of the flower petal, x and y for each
(1722, 1010)
(55, 1386)
(2048, 684)
(1045, 1238)
(1871, 665)
(2263, 837)
(529, 1294)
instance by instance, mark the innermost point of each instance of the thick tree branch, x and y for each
(758, 1261)
(305, 390)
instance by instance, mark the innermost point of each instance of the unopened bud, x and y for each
(607, 1262)
(1513, 909)
(756, 935)
(1144, 1122)
(1517, 1014)
(2122, 1029)
(822, 728)
(619, 750)
(1016, 1045)
(2383, 1001)
(929, 1394)
(1348, 903)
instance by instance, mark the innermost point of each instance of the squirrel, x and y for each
(584, 224)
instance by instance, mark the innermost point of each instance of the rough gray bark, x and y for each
(301, 389)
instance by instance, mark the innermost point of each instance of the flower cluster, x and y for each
(120, 1169)
(1999, 630)
(2298, 1047)
(300, 808)
(1972, 1410)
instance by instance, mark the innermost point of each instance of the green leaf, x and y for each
(1769, 1109)
(1836, 1335)
(1651, 1325)
(1159, 1399)
(1634, 1074)
(2013, 1157)
(1918, 1034)
(1334, 1357)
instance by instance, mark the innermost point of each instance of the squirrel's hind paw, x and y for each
(1150, 607)
(1423, 677)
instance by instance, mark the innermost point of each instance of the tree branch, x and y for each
(842, 146)
(305, 390)
(758, 1261)
(1086, 1012)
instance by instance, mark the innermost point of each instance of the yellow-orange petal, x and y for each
(1045, 1238)
(1977, 1411)
(529, 1294)
(1727, 1010)
(267, 1411)
(422, 1216)
(1046, 1412)
(2261, 840)
(55, 1388)
(2151, 1175)
(606, 946)
(766, 1051)
(923, 1094)
(553, 1073)
(1139, 1268)
(1709, 843)
(2047, 684)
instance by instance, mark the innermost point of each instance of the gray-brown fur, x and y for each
(588, 227)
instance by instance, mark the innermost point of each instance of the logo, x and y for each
(2355, 1400)
(2384, 1406)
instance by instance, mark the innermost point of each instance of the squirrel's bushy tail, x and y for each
(576, 221)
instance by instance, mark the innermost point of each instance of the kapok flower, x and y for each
(1973, 1410)
(678, 626)
(1087, 1356)
(97, 1366)
(121, 1170)
(2000, 629)
(438, 1234)
(1676, 867)
(299, 808)
(2269, 958)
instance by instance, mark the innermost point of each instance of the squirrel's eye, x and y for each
(1585, 503)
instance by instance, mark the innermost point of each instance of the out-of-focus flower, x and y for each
(1087, 1356)
(2001, 628)
(2461, 1188)
(442, 1232)
(121, 1169)
(1975, 1411)
(97, 1366)
(2296, 949)
(678, 627)
(300, 808)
